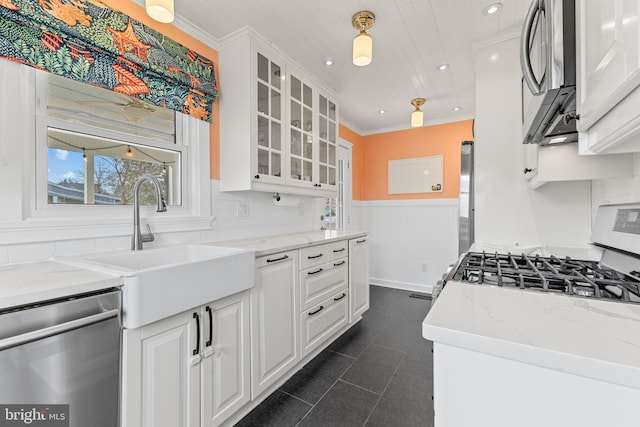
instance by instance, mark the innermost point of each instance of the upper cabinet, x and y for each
(278, 128)
(608, 99)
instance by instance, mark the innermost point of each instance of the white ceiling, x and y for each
(410, 38)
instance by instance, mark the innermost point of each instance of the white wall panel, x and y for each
(405, 237)
(507, 210)
(622, 190)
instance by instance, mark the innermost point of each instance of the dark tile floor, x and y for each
(378, 373)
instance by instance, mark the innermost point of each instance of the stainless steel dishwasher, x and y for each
(63, 352)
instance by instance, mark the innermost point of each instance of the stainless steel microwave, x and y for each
(548, 61)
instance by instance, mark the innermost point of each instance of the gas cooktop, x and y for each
(549, 274)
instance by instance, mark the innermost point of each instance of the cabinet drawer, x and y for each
(272, 259)
(320, 282)
(316, 255)
(321, 321)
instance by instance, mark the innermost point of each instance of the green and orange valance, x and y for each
(86, 41)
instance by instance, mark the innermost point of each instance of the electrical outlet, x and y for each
(243, 208)
(424, 267)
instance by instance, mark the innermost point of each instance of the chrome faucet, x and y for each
(138, 237)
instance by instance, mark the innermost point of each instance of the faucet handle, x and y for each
(148, 237)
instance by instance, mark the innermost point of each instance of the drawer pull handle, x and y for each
(339, 263)
(314, 256)
(311, 313)
(320, 270)
(361, 241)
(340, 297)
(278, 259)
(196, 350)
(210, 340)
(335, 251)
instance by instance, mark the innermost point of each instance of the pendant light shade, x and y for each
(417, 117)
(362, 49)
(160, 10)
(363, 43)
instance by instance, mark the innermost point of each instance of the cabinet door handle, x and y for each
(320, 270)
(196, 351)
(339, 263)
(335, 251)
(361, 241)
(257, 177)
(210, 340)
(311, 313)
(314, 256)
(278, 259)
(340, 297)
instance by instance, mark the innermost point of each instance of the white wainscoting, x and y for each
(412, 241)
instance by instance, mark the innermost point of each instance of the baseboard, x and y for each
(416, 287)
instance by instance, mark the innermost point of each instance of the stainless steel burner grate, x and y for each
(549, 274)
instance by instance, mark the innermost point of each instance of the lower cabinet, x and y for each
(191, 369)
(206, 367)
(358, 277)
(274, 322)
(318, 323)
(226, 367)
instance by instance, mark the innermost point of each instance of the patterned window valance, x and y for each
(85, 40)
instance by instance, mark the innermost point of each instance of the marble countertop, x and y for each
(31, 282)
(591, 338)
(267, 245)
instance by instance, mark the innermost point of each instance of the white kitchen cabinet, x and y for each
(226, 366)
(318, 283)
(161, 374)
(320, 322)
(608, 76)
(193, 363)
(358, 277)
(278, 128)
(562, 162)
(324, 294)
(274, 322)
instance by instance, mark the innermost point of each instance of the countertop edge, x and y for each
(279, 243)
(570, 363)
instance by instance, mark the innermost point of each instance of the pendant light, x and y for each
(160, 10)
(363, 43)
(417, 116)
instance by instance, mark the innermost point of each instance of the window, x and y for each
(98, 144)
(104, 126)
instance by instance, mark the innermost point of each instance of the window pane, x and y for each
(86, 169)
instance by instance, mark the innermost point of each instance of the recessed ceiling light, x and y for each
(492, 9)
(442, 67)
(382, 111)
(328, 62)
(456, 108)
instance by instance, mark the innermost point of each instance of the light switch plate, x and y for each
(243, 208)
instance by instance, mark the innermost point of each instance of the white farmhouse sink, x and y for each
(161, 282)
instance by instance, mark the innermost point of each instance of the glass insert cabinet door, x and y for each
(302, 146)
(328, 140)
(269, 119)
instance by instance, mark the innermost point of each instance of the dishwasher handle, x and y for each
(49, 331)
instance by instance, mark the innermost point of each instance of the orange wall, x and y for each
(371, 155)
(137, 12)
